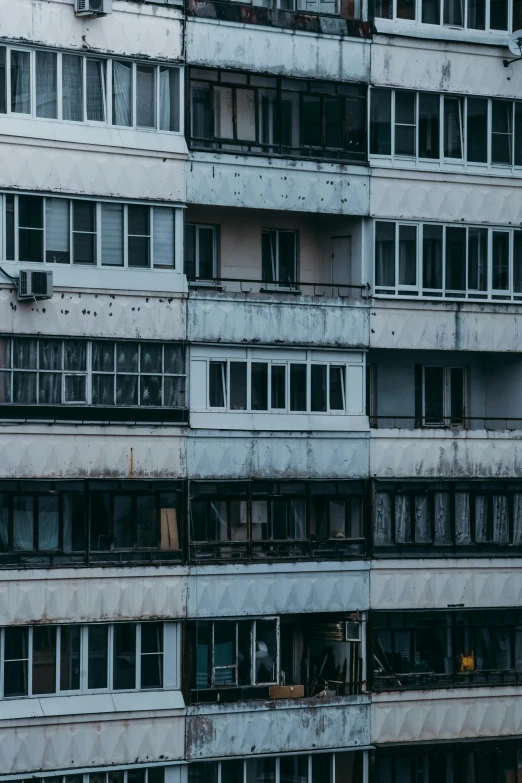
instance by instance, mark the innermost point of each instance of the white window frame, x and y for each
(309, 756)
(275, 284)
(252, 621)
(215, 266)
(418, 19)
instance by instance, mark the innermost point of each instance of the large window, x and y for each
(46, 659)
(47, 371)
(493, 15)
(441, 396)
(201, 250)
(240, 520)
(279, 256)
(318, 768)
(440, 517)
(271, 657)
(131, 775)
(56, 230)
(442, 649)
(428, 127)
(56, 523)
(455, 262)
(497, 761)
(90, 89)
(239, 112)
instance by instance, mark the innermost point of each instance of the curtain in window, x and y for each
(121, 93)
(442, 519)
(72, 88)
(4, 523)
(112, 235)
(57, 231)
(297, 519)
(163, 236)
(21, 82)
(96, 91)
(23, 533)
(126, 390)
(517, 519)
(500, 519)
(402, 519)
(48, 523)
(145, 98)
(462, 518)
(422, 519)
(382, 520)
(269, 241)
(174, 394)
(169, 98)
(218, 521)
(50, 388)
(481, 519)
(46, 85)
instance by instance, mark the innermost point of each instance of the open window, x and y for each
(201, 252)
(280, 256)
(440, 396)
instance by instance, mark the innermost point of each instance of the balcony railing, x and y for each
(332, 549)
(430, 680)
(302, 288)
(323, 689)
(411, 422)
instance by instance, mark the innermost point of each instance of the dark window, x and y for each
(46, 72)
(279, 256)
(432, 245)
(384, 254)
(30, 231)
(501, 131)
(200, 251)
(405, 123)
(238, 386)
(380, 121)
(431, 11)
(98, 656)
(454, 13)
(278, 373)
(477, 14)
(500, 261)
(455, 259)
(3, 80)
(152, 655)
(498, 15)
(429, 125)
(124, 664)
(84, 232)
(477, 130)
(453, 125)
(44, 659)
(70, 651)
(298, 392)
(16, 661)
(477, 259)
(139, 236)
(259, 386)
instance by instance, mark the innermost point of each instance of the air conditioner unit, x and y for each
(92, 7)
(33, 284)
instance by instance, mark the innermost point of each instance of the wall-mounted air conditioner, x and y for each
(33, 284)
(92, 7)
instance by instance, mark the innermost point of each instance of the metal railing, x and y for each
(302, 288)
(409, 422)
(431, 680)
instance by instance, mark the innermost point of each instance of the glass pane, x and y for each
(147, 521)
(477, 130)
(224, 652)
(3, 80)
(96, 90)
(278, 374)
(246, 114)
(405, 123)
(46, 85)
(260, 770)
(321, 768)
(429, 125)
(16, 662)
(223, 112)
(231, 772)
(124, 673)
(477, 14)
(502, 131)
(517, 261)
(169, 98)
(498, 15)
(311, 121)
(407, 255)
(206, 267)
(453, 124)
(103, 356)
(57, 231)
(163, 227)
(238, 386)
(406, 9)
(259, 384)
(145, 97)
(23, 522)
(98, 653)
(293, 769)
(337, 388)
(434, 395)
(432, 257)
(112, 234)
(318, 387)
(70, 640)
(48, 522)
(454, 12)
(455, 259)
(20, 82)
(380, 120)
(126, 390)
(384, 254)
(127, 357)
(500, 274)
(123, 522)
(477, 259)
(44, 659)
(298, 393)
(287, 257)
(217, 377)
(151, 655)
(72, 88)
(75, 355)
(121, 93)
(431, 11)
(73, 522)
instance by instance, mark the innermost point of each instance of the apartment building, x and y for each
(260, 485)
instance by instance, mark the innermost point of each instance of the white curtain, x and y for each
(163, 236)
(121, 93)
(72, 88)
(442, 518)
(145, 97)
(21, 82)
(422, 519)
(462, 518)
(517, 519)
(297, 509)
(500, 519)
(112, 235)
(48, 514)
(57, 230)
(481, 519)
(46, 85)
(22, 522)
(402, 519)
(50, 388)
(96, 90)
(169, 98)
(382, 529)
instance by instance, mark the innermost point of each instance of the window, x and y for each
(201, 251)
(132, 775)
(455, 262)
(242, 112)
(440, 396)
(450, 517)
(446, 648)
(252, 384)
(91, 657)
(345, 767)
(88, 233)
(263, 519)
(93, 89)
(279, 256)
(491, 15)
(47, 371)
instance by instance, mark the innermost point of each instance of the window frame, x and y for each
(418, 22)
(278, 284)
(215, 228)
(447, 418)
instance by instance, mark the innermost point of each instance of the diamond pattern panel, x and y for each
(455, 715)
(445, 67)
(233, 594)
(95, 315)
(271, 456)
(213, 180)
(263, 730)
(128, 30)
(267, 50)
(398, 453)
(55, 168)
(217, 319)
(39, 746)
(102, 452)
(471, 584)
(95, 594)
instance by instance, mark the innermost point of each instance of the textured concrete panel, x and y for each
(286, 52)
(235, 590)
(88, 314)
(307, 321)
(132, 29)
(75, 595)
(437, 584)
(449, 327)
(276, 456)
(236, 181)
(49, 744)
(416, 195)
(445, 454)
(444, 66)
(90, 451)
(249, 729)
(470, 713)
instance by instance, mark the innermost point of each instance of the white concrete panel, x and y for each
(132, 28)
(248, 47)
(443, 66)
(76, 595)
(285, 455)
(446, 715)
(445, 327)
(46, 744)
(445, 454)
(89, 314)
(417, 195)
(237, 181)
(243, 591)
(61, 169)
(249, 729)
(264, 319)
(90, 451)
(439, 584)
